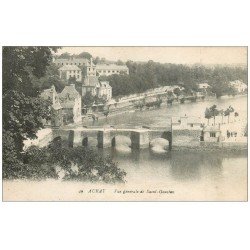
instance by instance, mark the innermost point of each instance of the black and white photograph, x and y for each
(119, 123)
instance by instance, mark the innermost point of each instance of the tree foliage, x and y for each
(65, 55)
(144, 76)
(43, 163)
(23, 110)
(86, 55)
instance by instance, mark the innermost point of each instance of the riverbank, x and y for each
(116, 112)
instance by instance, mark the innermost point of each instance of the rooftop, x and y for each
(190, 120)
(69, 92)
(111, 66)
(69, 67)
(71, 60)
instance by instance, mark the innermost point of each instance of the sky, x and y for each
(182, 55)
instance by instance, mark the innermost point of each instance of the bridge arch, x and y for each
(121, 139)
(85, 141)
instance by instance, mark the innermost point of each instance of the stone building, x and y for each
(68, 71)
(91, 84)
(104, 90)
(186, 132)
(70, 101)
(80, 62)
(211, 134)
(239, 86)
(111, 69)
(56, 108)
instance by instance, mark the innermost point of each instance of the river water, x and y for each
(169, 176)
(207, 175)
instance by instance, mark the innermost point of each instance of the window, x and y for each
(70, 71)
(191, 125)
(79, 63)
(109, 71)
(212, 134)
(62, 63)
(66, 63)
(113, 71)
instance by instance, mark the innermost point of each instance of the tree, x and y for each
(228, 111)
(214, 111)
(177, 92)
(170, 95)
(120, 62)
(106, 113)
(65, 55)
(23, 109)
(50, 78)
(88, 100)
(222, 115)
(208, 115)
(236, 114)
(86, 55)
(96, 60)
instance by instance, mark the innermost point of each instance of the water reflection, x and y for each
(144, 165)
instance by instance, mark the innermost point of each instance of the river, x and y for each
(223, 174)
(170, 176)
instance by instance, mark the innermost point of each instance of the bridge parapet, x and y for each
(105, 137)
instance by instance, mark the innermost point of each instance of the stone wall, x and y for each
(214, 146)
(185, 138)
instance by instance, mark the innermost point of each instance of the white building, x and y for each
(185, 122)
(203, 86)
(104, 90)
(111, 69)
(68, 71)
(239, 86)
(72, 61)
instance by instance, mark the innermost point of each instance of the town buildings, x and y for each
(56, 108)
(111, 69)
(85, 72)
(104, 90)
(65, 107)
(80, 62)
(203, 86)
(70, 101)
(239, 86)
(92, 85)
(70, 71)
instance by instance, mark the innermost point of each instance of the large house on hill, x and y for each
(111, 69)
(93, 85)
(85, 71)
(80, 62)
(68, 71)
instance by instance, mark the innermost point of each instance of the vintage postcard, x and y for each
(124, 123)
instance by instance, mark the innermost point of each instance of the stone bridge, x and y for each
(106, 137)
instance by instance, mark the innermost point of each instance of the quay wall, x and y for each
(214, 146)
(185, 138)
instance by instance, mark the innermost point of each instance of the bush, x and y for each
(42, 163)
